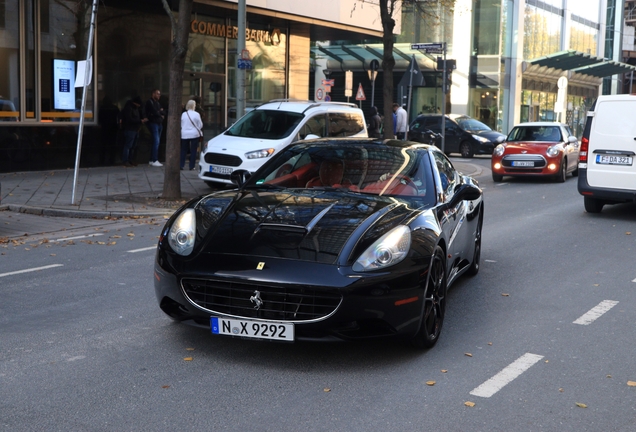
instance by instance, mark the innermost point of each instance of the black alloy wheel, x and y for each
(563, 172)
(474, 266)
(466, 149)
(434, 303)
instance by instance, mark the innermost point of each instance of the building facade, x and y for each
(43, 44)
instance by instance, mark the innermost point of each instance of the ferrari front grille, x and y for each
(279, 303)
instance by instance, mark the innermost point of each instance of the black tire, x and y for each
(474, 266)
(466, 149)
(563, 172)
(593, 205)
(497, 178)
(434, 302)
(575, 173)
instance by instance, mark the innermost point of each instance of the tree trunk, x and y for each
(388, 63)
(180, 30)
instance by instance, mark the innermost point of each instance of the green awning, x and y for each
(582, 63)
(607, 68)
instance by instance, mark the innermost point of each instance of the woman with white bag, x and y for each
(191, 133)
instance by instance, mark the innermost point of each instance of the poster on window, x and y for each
(63, 84)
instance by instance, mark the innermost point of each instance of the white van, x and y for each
(269, 128)
(607, 174)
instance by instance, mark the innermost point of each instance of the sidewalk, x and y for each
(114, 191)
(102, 192)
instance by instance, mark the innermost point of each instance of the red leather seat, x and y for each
(330, 174)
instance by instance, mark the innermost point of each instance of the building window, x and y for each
(9, 60)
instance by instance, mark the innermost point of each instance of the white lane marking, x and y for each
(597, 311)
(491, 261)
(142, 249)
(506, 375)
(30, 270)
(76, 237)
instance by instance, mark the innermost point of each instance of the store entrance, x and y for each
(210, 88)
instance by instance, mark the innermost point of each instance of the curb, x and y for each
(81, 213)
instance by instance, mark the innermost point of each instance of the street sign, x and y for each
(429, 48)
(374, 65)
(328, 82)
(451, 64)
(360, 94)
(319, 93)
(244, 64)
(348, 83)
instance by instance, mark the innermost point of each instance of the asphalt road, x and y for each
(84, 346)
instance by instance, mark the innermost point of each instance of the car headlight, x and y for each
(182, 233)
(388, 250)
(258, 154)
(481, 139)
(499, 150)
(552, 151)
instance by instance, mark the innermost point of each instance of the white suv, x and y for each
(607, 174)
(269, 128)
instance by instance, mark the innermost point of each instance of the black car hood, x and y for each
(295, 224)
(490, 135)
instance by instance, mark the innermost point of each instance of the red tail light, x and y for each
(585, 143)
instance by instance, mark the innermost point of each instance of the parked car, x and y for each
(7, 111)
(464, 134)
(537, 149)
(269, 128)
(330, 239)
(606, 161)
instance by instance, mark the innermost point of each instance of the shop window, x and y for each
(9, 61)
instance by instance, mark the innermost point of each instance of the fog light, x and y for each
(497, 165)
(552, 167)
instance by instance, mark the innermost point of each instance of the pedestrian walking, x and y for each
(401, 122)
(155, 114)
(191, 133)
(374, 124)
(132, 119)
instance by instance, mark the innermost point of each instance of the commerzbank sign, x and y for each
(229, 31)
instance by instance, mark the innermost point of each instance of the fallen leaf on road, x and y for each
(166, 386)
(326, 390)
(469, 404)
(444, 370)
(187, 358)
(561, 390)
(596, 284)
(628, 233)
(112, 243)
(430, 383)
(189, 349)
(609, 376)
(116, 236)
(631, 383)
(505, 294)
(130, 234)
(581, 405)
(489, 343)
(468, 354)
(101, 243)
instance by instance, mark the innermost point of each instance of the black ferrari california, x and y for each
(330, 239)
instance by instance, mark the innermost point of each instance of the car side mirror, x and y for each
(240, 177)
(572, 139)
(467, 191)
(311, 136)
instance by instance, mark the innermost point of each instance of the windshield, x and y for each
(353, 167)
(535, 133)
(265, 124)
(471, 125)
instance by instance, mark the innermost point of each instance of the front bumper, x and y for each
(363, 306)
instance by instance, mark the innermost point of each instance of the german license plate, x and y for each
(614, 160)
(522, 163)
(220, 169)
(252, 329)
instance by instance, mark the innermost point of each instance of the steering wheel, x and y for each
(405, 180)
(284, 170)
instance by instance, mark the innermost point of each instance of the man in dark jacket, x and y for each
(155, 115)
(132, 119)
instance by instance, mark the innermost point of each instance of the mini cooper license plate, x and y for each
(522, 164)
(614, 160)
(252, 329)
(220, 169)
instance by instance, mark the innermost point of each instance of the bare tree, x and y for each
(387, 8)
(180, 32)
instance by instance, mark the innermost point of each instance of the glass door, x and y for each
(209, 91)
